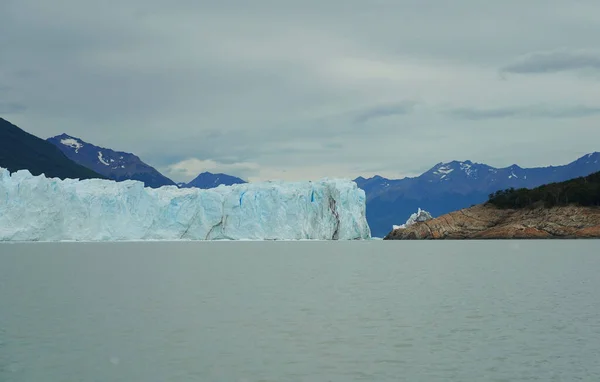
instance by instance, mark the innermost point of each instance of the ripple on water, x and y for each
(339, 312)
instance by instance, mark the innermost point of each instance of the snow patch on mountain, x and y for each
(73, 143)
(101, 159)
(468, 169)
(443, 171)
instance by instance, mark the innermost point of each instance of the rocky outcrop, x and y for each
(488, 222)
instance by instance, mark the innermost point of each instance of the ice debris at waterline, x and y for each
(36, 208)
(419, 216)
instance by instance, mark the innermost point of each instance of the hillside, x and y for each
(20, 150)
(582, 191)
(451, 186)
(569, 209)
(115, 165)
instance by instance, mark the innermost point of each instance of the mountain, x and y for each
(569, 209)
(455, 185)
(210, 180)
(581, 191)
(20, 150)
(115, 165)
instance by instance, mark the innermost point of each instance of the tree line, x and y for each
(583, 191)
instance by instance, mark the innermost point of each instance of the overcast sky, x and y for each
(268, 89)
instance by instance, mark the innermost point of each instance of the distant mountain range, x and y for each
(119, 165)
(115, 165)
(455, 185)
(20, 150)
(65, 156)
(210, 180)
(444, 188)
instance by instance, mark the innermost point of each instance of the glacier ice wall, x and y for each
(36, 208)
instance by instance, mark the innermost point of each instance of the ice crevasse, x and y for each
(36, 208)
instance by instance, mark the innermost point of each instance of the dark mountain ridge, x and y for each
(20, 150)
(115, 165)
(209, 180)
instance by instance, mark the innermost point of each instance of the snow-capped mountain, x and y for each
(115, 165)
(450, 186)
(20, 150)
(208, 180)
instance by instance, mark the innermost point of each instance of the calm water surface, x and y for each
(300, 311)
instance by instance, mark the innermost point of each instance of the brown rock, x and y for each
(488, 222)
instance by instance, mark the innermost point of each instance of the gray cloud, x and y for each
(11, 108)
(385, 111)
(332, 145)
(552, 62)
(288, 89)
(477, 114)
(525, 112)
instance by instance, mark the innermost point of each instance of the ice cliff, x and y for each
(36, 208)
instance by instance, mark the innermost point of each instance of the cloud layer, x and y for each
(553, 62)
(302, 90)
(527, 112)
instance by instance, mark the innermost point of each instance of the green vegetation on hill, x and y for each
(20, 150)
(583, 191)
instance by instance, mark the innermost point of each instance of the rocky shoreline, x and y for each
(488, 222)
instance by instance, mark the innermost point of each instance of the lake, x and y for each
(300, 311)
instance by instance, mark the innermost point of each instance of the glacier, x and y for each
(36, 208)
(419, 216)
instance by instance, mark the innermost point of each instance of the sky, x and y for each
(297, 90)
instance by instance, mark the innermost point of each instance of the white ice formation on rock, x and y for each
(419, 216)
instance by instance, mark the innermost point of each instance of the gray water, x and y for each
(304, 311)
